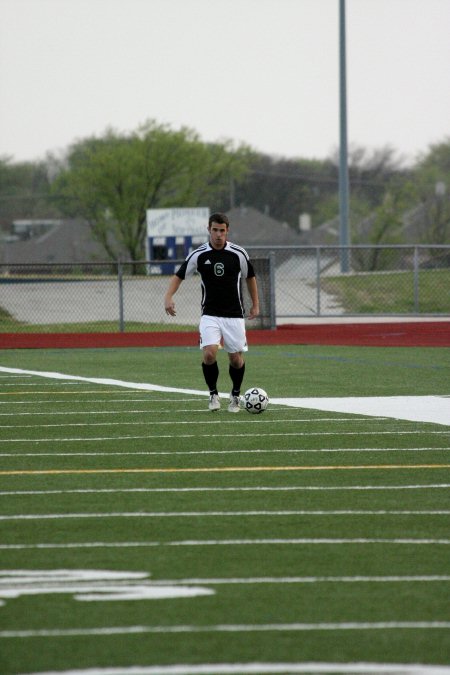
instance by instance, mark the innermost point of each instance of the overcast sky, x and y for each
(262, 72)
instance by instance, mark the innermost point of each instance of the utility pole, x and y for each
(344, 239)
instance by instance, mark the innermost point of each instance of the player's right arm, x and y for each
(169, 304)
(186, 269)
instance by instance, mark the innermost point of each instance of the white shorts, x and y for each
(215, 329)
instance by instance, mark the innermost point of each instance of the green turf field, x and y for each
(139, 529)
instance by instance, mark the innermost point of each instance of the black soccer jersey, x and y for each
(221, 273)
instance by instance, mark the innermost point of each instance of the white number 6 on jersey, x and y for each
(219, 269)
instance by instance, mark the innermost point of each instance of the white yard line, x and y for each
(149, 437)
(172, 423)
(307, 488)
(122, 411)
(229, 542)
(309, 580)
(48, 578)
(151, 400)
(261, 668)
(434, 409)
(222, 514)
(230, 628)
(217, 452)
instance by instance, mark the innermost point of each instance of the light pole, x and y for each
(344, 239)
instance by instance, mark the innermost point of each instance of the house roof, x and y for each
(72, 241)
(250, 227)
(69, 242)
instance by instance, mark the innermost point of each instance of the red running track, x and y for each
(386, 334)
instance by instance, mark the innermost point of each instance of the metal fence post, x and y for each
(416, 280)
(318, 281)
(273, 313)
(121, 313)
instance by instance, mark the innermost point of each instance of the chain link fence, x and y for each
(294, 283)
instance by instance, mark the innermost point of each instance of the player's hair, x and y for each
(220, 218)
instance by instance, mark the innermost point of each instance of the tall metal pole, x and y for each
(344, 238)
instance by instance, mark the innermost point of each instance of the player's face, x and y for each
(218, 235)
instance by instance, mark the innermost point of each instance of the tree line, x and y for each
(111, 181)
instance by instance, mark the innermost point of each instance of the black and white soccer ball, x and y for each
(256, 400)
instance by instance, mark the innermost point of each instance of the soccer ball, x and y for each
(256, 400)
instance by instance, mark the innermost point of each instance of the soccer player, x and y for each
(221, 265)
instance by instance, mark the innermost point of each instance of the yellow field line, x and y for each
(226, 468)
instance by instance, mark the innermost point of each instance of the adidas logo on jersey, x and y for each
(207, 262)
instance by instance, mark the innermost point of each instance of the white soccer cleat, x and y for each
(214, 402)
(234, 406)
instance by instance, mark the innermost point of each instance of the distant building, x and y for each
(250, 227)
(69, 241)
(32, 227)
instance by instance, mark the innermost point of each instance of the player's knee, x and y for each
(209, 356)
(236, 360)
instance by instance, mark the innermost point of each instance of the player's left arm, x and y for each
(253, 291)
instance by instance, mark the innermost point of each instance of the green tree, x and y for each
(285, 188)
(432, 183)
(288, 187)
(113, 180)
(24, 191)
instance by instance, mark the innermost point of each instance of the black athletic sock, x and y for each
(237, 375)
(211, 374)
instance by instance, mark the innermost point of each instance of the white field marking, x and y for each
(306, 488)
(172, 423)
(15, 377)
(215, 452)
(309, 580)
(230, 628)
(84, 401)
(89, 585)
(434, 409)
(221, 514)
(39, 384)
(34, 576)
(226, 542)
(58, 576)
(102, 400)
(148, 437)
(152, 411)
(136, 386)
(103, 585)
(60, 392)
(260, 668)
